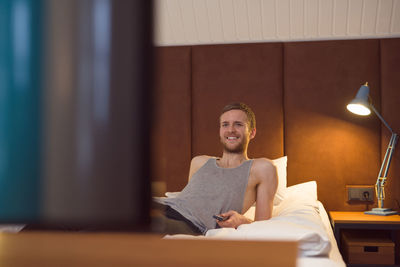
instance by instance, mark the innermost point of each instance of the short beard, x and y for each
(239, 149)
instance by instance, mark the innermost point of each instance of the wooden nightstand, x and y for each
(367, 225)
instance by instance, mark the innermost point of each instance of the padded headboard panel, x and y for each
(325, 141)
(230, 73)
(298, 92)
(171, 131)
(390, 96)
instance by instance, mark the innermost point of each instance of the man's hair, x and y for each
(246, 109)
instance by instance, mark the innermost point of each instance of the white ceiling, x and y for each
(188, 22)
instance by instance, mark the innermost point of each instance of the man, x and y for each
(226, 186)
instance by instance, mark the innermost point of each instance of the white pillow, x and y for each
(307, 189)
(295, 197)
(280, 164)
(299, 198)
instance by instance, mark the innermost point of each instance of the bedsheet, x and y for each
(334, 258)
(302, 219)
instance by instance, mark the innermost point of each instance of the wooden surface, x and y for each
(106, 249)
(357, 255)
(365, 238)
(360, 217)
(367, 225)
(381, 248)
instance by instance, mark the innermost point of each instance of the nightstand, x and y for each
(347, 223)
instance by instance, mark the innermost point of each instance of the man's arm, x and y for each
(266, 191)
(267, 183)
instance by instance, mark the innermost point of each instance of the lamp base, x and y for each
(381, 211)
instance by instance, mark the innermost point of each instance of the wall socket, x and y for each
(360, 193)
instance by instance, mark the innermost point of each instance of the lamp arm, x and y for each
(381, 180)
(389, 152)
(381, 118)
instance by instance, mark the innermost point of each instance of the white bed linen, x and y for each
(334, 258)
(317, 245)
(294, 218)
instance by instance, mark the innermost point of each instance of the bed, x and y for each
(297, 216)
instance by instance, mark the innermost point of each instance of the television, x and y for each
(75, 114)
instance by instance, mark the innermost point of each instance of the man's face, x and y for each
(234, 131)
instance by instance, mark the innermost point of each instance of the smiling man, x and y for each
(222, 189)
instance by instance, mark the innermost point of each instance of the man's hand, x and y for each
(235, 219)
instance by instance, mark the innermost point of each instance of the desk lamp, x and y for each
(361, 105)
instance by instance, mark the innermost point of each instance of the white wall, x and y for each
(187, 22)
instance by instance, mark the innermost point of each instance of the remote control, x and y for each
(220, 218)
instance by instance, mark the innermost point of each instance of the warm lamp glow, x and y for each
(360, 104)
(359, 109)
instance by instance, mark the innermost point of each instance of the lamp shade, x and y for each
(360, 105)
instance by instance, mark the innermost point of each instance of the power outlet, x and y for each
(360, 193)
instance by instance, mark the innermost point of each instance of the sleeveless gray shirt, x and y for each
(212, 190)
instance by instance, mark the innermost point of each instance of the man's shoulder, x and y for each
(263, 167)
(263, 162)
(199, 161)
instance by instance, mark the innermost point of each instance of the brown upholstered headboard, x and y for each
(299, 91)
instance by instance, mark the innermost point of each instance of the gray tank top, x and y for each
(212, 190)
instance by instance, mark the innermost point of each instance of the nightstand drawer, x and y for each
(372, 248)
